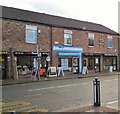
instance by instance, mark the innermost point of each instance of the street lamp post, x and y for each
(38, 56)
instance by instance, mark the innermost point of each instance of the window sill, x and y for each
(67, 44)
(91, 46)
(110, 47)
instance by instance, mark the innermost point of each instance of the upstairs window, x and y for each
(67, 37)
(90, 39)
(31, 34)
(110, 41)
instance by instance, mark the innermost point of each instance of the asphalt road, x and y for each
(58, 94)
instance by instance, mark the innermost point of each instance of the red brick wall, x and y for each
(13, 36)
(80, 38)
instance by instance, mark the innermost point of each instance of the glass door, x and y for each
(75, 65)
(114, 63)
(97, 64)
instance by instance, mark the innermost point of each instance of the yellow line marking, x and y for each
(7, 108)
(18, 109)
(24, 112)
(9, 111)
(43, 110)
(15, 103)
(32, 111)
(1, 103)
(32, 95)
(17, 106)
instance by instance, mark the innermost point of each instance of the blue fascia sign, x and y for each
(69, 54)
(67, 49)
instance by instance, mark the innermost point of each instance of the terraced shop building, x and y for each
(69, 42)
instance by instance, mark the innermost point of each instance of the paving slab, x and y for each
(90, 108)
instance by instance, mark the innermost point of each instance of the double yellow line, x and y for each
(19, 106)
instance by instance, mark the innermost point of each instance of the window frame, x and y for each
(91, 36)
(110, 38)
(31, 30)
(67, 33)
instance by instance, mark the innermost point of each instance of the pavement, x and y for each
(28, 78)
(88, 108)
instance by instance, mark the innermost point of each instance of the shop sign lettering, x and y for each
(1, 59)
(110, 54)
(4, 52)
(67, 49)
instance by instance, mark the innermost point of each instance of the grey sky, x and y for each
(104, 12)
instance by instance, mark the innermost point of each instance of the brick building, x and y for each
(71, 43)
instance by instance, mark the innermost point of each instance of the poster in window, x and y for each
(96, 60)
(75, 61)
(64, 64)
(68, 40)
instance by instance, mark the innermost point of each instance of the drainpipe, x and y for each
(51, 47)
(119, 51)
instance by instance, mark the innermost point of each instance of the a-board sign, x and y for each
(85, 70)
(52, 71)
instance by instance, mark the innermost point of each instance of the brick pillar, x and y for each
(13, 65)
(101, 63)
(10, 64)
(55, 59)
(118, 63)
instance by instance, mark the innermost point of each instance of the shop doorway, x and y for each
(94, 64)
(97, 64)
(3, 64)
(75, 64)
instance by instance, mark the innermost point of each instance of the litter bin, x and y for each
(111, 68)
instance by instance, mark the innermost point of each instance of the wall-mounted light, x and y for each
(39, 31)
(56, 42)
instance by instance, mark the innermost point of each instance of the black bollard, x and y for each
(96, 89)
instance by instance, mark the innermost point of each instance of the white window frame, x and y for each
(91, 36)
(31, 34)
(67, 33)
(110, 38)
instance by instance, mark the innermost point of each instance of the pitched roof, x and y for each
(24, 15)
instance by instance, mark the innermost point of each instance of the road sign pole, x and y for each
(39, 59)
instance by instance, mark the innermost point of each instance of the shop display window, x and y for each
(66, 63)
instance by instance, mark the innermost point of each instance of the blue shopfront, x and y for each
(70, 58)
